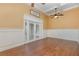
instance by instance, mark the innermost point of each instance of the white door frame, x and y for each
(29, 18)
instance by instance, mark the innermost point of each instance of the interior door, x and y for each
(31, 31)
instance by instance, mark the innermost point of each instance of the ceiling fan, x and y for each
(57, 13)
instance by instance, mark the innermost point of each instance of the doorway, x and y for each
(33, 29)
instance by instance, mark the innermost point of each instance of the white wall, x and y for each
(68, 34)
(10, 38)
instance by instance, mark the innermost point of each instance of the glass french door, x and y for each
(31, 31)
(37, 32)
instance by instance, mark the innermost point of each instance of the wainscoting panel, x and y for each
(10, 38)
(69, 34)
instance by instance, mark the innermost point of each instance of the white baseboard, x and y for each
(3, 48)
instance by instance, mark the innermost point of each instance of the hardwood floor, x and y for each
(45, 47)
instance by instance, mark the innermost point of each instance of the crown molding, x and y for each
(71, 7)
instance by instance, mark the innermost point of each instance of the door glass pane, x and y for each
(31, 31)
(37, 30)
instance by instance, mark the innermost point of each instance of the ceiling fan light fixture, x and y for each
(57, 12)
(56, 17)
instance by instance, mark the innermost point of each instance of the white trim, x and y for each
(35, 21)
(71, 7)
(6, 29)
(32, 18)
(3, 48)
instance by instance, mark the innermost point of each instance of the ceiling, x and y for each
(48, 7)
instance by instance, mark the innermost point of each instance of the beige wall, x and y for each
(45, 19)
(12, 15)
(70, 20)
